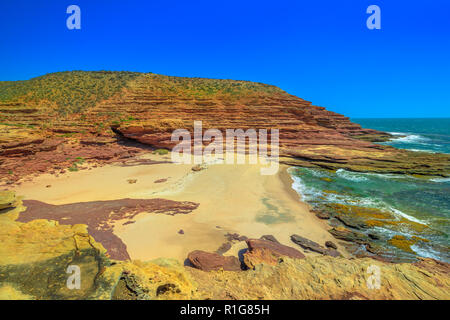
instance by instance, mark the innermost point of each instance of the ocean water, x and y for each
(417, 201)
(429, 135)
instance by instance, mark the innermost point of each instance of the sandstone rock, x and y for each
(268, 252)
(98, 141)
(269, 237)
(373, 236)
(352, 223)
(197, 168)
(348, 235)
(154, 280)
(307, 244)
(322, 215)
(208, 261)
(310, 135)
(7, 199)
(224, 248)
(323, 277)
(235, 237)
(332, 252)
(34, 257)
(313, 246)
(330, 244)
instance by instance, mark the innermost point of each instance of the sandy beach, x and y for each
(234, 199)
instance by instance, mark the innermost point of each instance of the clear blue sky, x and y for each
(318, 50)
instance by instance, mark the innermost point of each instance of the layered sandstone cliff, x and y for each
(48, 122)
(34, 257)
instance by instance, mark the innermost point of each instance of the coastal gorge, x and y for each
(86, 178)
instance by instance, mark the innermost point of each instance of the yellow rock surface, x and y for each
(158, 279)
(328, 278)
(34, 257)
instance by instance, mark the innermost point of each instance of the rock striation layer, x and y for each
(43, 130)
(100, 216)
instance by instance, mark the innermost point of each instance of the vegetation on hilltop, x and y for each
(202, 87)
(72, 91)
(75, 91)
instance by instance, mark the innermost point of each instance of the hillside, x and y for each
(92, 111)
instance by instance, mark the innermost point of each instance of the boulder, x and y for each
(313, 246)
(268, 252)
(330, 244)
(7, 199)
(322, 215)
(197, 168)
(269, 237)
(235, 237)
(348, 235)
(209, 261)
(332, 252)
(307, 244)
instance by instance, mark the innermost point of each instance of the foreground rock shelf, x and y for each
(34, 256)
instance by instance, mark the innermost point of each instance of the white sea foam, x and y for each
(317, 173)
(410, 138)
(386, 232)
(387, 175)
(398, 133)
(427, 253)
(353, 176)
(306, 193)
(440, 180)
(364, 176)
(420, 150)
(406, 216)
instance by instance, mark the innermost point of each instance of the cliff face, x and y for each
(71, 114)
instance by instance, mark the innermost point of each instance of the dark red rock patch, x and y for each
(268, 252)
(100, 216)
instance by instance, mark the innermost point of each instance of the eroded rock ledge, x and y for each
(35, 138)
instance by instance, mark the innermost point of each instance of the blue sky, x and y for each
(319, 50)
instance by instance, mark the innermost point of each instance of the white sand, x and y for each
(232, 198)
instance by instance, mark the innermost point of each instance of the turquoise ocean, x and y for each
(424, 201)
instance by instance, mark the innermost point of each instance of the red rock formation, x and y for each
(99, 216)
(149, 107)
(268, 252)
(208, 261)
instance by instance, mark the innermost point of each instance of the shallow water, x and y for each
(418, 200)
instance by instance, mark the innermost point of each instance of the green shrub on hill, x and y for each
(76, 91)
